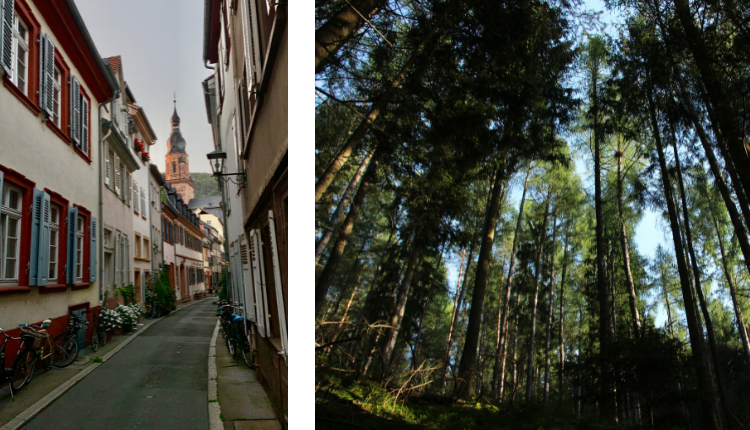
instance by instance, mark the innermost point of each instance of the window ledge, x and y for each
(81, 286)
(80, 153)
(55, 129)
(142, 259)
(20, 95)
(52, 288)
(14, 289)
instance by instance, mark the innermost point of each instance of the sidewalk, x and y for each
(46, 382)
(243, 401)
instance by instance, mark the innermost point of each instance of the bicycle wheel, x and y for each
(65, 351)
(23, 369)
(102, 336)
(46, 354)
(231, 346)
(94, 339)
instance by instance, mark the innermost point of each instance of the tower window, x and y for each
(174, 167)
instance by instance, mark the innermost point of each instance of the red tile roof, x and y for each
(114, 63)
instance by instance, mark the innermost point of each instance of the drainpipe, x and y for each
(101, 193)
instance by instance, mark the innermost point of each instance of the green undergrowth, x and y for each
(341, 404)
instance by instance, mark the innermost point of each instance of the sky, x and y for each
(161, 44)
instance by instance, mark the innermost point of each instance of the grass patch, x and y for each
(366, 405)
(96, 360)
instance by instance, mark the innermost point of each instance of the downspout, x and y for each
(101, 193)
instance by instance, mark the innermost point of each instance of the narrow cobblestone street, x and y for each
(158, 381)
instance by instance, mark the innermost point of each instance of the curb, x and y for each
(34, 410)
(214, 408)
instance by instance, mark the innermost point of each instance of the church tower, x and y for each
(178, 166)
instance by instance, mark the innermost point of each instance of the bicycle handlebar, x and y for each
(9, 336)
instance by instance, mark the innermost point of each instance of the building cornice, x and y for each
(118, 144)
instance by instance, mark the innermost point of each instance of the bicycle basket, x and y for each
(38, 337)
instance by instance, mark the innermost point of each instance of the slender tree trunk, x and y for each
(378, 105)
(460, 292)
(632, 299)
(498, 377)
(340, 28)
(535, 295)
(343, 205)
(391, 334)
(697, 274)
(514, 372)
(419, 330)
(547, 360)
(468, 358)
(605, 328)
(733, 291)
(734, 216)
(724, 112)
(326, 277)
(703, 377)
(561, 383)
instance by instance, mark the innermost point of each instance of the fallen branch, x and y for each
(325, 345)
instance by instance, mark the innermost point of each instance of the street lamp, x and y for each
(218, 159)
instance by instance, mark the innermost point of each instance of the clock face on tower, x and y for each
(178, 166)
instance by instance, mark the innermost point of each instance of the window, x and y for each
(10, 232)
(136, 199)
(56, 95)
(54, 242)
(79, 248)
(143, 203)
(174, 167)
(20, 73)
(146, 249)
(137, 245)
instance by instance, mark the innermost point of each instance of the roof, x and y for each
(114, 62)
(205, 202)
(176, 142)
(175, 117)
(157, 175)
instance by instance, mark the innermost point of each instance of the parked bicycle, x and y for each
(153, 310)
(35, 346)
(98, 331)
(66, 345)
(17, 375)
(240, 343)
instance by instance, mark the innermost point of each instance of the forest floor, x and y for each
(362, 404)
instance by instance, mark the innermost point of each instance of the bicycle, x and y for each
(154, 310)
(98, 331)
(65, 344)
(15, 376)
(36, 346)
(239, 342)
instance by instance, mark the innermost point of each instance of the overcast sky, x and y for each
(161, 44)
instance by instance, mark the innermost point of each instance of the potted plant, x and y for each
(110, 320)
(145, 157)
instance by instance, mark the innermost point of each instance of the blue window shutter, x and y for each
(46, 74)
(85, 125)
(92, 251)
(75, 111)
(36, 219)
(72, 226)
(43, 259)
(6, 34)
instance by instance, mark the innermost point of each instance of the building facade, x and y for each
(54, 87)
(246, 102)
(155, 187)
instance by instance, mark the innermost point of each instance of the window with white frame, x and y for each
(10, 232)
(137, 245)
(54, 242)
(57, 94)
(143, 203)
(79, 248)
(136, 198)
(146, 249)
(20, 72)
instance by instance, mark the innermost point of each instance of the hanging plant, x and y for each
(145, 156)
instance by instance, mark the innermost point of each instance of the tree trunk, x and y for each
(562, 319)
(535, 295)
(342, 206)
(724, 113)
(605, 328)
(703, 377)
(326, 277)
(391, 333)
(697, 275)
(340, 28)
(498, 376)
(733, 291)
(632, 299)
(734, 216)
(468, 357)
(549, 314)
(460, 292)
(419, 331)
(514, 372)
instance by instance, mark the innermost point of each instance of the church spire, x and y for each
(175, 117)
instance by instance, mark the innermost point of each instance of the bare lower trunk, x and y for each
(632, 299)
(514, 372)
(468, 358)
(535, 295)
(454, 317)
(498, 376)
(561, 383)
(391, 333)
(703, 377)
(547, 360)
(326, 277)
(343, 205)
